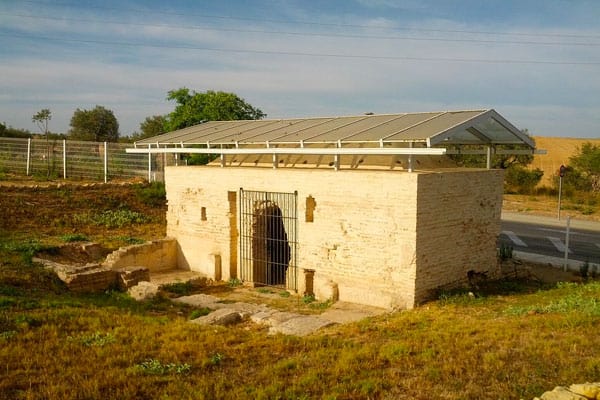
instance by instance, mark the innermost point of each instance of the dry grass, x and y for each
(514, 339)
(559, 150)
(59, 346)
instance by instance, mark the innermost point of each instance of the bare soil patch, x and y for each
(52, 210)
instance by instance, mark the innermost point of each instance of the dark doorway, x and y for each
(267, 242)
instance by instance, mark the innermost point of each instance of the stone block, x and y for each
(131, 276)
(143, 291)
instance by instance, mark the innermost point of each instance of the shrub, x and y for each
(522, 180)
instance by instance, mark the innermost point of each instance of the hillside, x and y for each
(559, 150)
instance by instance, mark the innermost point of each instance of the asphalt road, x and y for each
(547, 237)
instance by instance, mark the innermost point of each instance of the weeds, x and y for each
(155, 367)
(216, 359)
(153, 194)
(7, 335)
(74, 237)
(505, 252)
(234, 282)
(130, 240)
(199, 313)
(179, 288)
(112, 218)
(308, 298)
(95, 339)
(580, 299)
(321, 305)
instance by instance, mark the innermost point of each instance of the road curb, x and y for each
(541, 220)
(558, 262)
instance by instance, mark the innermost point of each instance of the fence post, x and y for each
(567, 234)
(149, 164)
(105, 162)
(64, 159)
(28, 155)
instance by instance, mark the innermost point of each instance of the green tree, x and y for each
(151, 126)
(195, 107)
(587, 163)
(9, 131)
(98, 124)
(41, 119)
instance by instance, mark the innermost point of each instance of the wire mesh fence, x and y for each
(100, 161)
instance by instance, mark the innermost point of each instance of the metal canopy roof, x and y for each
(431, 129)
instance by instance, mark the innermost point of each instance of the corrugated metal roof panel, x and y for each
(433, 128)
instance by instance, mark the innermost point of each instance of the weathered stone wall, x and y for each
(156, 256)
(362, 243)
(458, 222)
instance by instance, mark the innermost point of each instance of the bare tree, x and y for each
(41, 120)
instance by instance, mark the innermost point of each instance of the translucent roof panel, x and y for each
(430, 128)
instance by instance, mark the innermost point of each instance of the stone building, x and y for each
(365, 209)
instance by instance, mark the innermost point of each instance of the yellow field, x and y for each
(559, 150)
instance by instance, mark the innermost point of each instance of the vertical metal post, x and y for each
(567, 234)
(559, 194)
(149, 164)
(410, 158)
(223, 161)
(64, 159)
(488, 163)
(105, 162)
(28, 155)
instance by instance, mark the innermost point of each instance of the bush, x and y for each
(522, 180)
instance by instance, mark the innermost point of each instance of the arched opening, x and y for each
(270, 246)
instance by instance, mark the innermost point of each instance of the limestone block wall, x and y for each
(363, 242)
(361, 238)
(156, 256)
(458, 222)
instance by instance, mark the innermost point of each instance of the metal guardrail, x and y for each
(101, 161)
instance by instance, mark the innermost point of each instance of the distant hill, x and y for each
(559, 150)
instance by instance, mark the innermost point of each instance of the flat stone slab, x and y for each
(199, 300)
(284, 322)
(219, 317)
(301, 325)
(344, 313)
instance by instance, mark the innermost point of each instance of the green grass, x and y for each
(74, 237)
(111, 218)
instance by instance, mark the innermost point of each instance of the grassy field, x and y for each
(512, 339)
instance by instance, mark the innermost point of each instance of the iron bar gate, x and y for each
(268, 238)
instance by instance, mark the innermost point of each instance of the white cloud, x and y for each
(133, 81)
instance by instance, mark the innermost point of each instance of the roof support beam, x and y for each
(300, 151)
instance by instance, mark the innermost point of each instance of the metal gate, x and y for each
(268, 231)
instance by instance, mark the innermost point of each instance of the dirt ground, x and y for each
(45, 210)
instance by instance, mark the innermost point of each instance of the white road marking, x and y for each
(514, 238)
(560, 246)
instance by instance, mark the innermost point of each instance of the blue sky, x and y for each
(535, 62)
